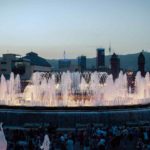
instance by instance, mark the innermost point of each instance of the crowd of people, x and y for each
(90, 137)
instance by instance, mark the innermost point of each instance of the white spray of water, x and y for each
(75, 89)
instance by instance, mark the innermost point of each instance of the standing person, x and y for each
(31, 146)
(62, 142)
(69, 143)
(3, 142)
(140, 144)
(86, 142)
(145, 136)
(101, 144)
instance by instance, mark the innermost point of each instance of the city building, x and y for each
(115, 65)
(82, 63)
(35, 63)
(141, 64)
(100, 58)
(64, 65)
(6, 64)
(24, 66)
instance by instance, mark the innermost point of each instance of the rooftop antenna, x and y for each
(64, 55)
(109, 48)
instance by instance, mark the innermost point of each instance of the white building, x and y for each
(24, 66)
(6, 63)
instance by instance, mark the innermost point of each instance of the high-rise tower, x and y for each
(109, 49)
(82, 63)
(115, 65)
(141, 64)
(100, 58)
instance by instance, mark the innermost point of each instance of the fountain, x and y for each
(68, 98)
(73, 89)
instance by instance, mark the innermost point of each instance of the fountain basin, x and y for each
(69, 117)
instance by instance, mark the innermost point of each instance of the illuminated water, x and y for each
(75, 89)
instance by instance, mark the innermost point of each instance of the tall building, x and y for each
(7, 63)
(100, 58)
(141, 64)
(115, 65)
(82, 63)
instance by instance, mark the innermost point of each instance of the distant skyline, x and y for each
(48, 27)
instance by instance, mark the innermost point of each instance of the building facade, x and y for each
(115, 65)
(7, 63)
(141, 64)
(82, 63)
(64, 65)
(25, 66)
(100, 58)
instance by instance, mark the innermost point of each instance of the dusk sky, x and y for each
(49, 27)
